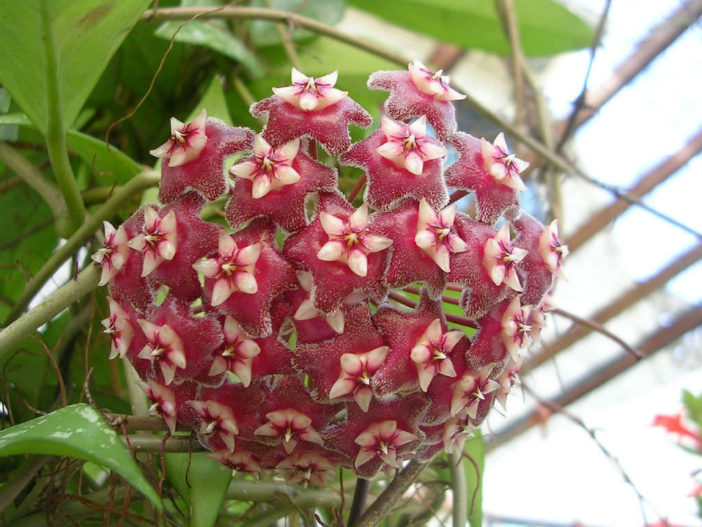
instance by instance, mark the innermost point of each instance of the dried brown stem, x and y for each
(596, 326)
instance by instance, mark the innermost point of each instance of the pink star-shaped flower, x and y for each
(551, 249)
(114, 253)
(469, 173)
(468, 270)
(400, 161)
(431, 353)
(283, 203)
(216, 419)
(307, 468)
(164, 349)
(194, 157)
(471, 390)
(313, 108)
(419, 92)
(409, 263)
(543, 258)
(271, 273)
(119, 328)
(310, 94)
(408, 146)
(502, 165)
(403, 331)
(342, 368)
(507, 380)
(350, 240)
(501, 258)
(164, 402)
(196, 238)
(339, 231)
(231, 270)
(382, 440)
(157, 239)
(178, 344)
(516, 327)
(313, 324)
(237, 353)
(290, 426)
(436, 235)
(270, 168)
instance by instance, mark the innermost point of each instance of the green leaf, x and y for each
(545, 27)
(58, 49)
(693, 406)
(474, 463)
(215, 35)
(208, 483)
(80, 432)
(264, 33)
(214, 102)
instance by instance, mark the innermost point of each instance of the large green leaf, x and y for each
(474, 463)
(215, 35)
(545, 27)
(56, 50)
(77, 431)
(208, 483)
(214, 102)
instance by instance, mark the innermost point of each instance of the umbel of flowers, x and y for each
(280, 340)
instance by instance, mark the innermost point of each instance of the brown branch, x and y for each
(556, 408)
(571, 123)
(600, 376)
(657, 41)
(617, 306)
(645, 184)
(595, 326)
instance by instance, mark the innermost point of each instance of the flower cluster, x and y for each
(281, 340)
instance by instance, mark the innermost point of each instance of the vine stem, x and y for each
(15, 333)
(35, 179)
(56, 137)
(92, 224)
(459, 489)
(382, 505)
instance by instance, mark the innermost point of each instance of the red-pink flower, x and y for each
(470, 390)
(270, 169)
(516, 327)
(308, 468)
(502, 165)
(310, 94)
(164, 348)
(433, 83)
(119, 328)
(381, 440)
(186, 141)
(350, 240)
(408, 146)
(431, 353)
(232, 269)
(237, 353)
(157, 239)
(290, 426)
(436, 236)
(216, 420)
(164, 403)
(114, 252)
(356, 372)
(551, 249)
(501, 259)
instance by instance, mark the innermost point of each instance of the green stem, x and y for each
(386, 501)
(34, 178)
(459, 489)
(15, 333)
(286, 37)
(265, 491)
(92, 224)
(56, 136)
